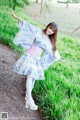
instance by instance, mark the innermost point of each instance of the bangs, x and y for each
(52, 27)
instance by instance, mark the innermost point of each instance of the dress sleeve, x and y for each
(26, 35)
(24, 24)
(48, 59)
(57, 55)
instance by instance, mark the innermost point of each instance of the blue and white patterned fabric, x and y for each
(27, 64)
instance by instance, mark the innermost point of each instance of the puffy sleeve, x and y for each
(48, 59)
(23, 24)
(26, 35)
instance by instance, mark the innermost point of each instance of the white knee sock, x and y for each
(29, 86)
(33, 82)
(29, 101)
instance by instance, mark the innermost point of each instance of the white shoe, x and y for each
(31, 104)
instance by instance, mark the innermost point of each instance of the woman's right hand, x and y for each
(12, 13)
(10, 9)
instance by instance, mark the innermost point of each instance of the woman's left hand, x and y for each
(57, 55)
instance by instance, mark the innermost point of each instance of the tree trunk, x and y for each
(41, 7)
(67, 4)
(36, 1)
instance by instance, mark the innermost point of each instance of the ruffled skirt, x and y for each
(28, 65)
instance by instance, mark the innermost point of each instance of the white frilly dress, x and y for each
(28, 64)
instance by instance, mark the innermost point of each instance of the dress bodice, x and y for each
(43, 41)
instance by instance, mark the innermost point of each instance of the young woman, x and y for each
(40, 53)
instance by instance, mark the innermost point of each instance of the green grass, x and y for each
(58, 96)
(4, 2)
(14, 3)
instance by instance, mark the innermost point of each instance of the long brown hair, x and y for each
(53, 37)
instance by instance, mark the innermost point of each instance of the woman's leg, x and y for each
(29, 86)
(33, 82)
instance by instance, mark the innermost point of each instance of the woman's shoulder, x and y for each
(40, 33)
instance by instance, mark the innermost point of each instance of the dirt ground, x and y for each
(68, 19)
(12, 88)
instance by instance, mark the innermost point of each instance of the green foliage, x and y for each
(14, 3)
(4, 2)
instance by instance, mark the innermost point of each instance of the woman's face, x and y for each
(49, 31)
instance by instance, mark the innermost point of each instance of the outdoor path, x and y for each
(12, 88)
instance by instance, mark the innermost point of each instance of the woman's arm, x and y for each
(12, 13)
